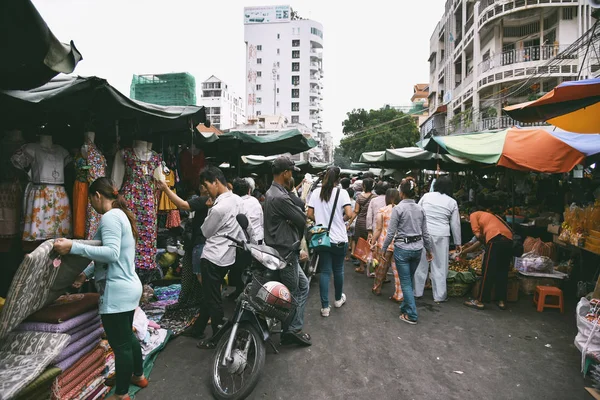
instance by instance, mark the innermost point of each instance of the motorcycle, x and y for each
(241, 349)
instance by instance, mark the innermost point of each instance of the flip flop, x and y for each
(503, 307)
(395, 300)
(473, 304)
(404, 318)
(359, 271)
(375, 292)
(206, 345)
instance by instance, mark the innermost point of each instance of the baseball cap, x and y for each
(282, 164)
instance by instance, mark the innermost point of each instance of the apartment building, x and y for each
(223, 107)
(284, 65)
(487, 54)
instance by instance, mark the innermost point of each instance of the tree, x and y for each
(340, 159)
(376, 130)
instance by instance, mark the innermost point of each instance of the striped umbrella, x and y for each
(573, 106)
(520, 149)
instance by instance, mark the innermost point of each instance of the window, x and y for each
(277, 64)
(295, 80)
(278, 36)
(259, 47)
(258, 113)
(295, 66)
(296, 43)
(215, 110)
(317, 32)
(296, 54)
(259, 60)
(277, 90)
(569, 13)
(295, 106)
(258, 87)
(278, 52)
(258, 74)
(278, 76)
(295, 93)
(295, 119)
(277, 104)
(258, 100)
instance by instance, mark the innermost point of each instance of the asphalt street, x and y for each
(363, 351)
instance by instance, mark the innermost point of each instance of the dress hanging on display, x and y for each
(165, 203)
(88, 169)
(47, 213)
(140, 192)
(191, 165)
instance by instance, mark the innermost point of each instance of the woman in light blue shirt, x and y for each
(119, 286)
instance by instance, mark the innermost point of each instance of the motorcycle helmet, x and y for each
(276, 294)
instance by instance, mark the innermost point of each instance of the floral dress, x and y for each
(96, 163)
(140, 193)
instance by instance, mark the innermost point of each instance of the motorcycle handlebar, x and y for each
(234, 240)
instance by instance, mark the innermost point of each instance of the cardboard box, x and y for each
(554, 228)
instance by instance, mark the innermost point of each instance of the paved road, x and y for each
(363, 351)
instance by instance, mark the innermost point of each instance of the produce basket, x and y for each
(458, 289)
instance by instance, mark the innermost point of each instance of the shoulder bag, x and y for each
(319, 236)
(517, 246)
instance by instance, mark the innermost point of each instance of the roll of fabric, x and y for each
(84, 332)
(60, 327)
(92, 337)
(98, 393)
(70, 361)
(66, 307)
(91, 382)
(83, 363)
(78, 380)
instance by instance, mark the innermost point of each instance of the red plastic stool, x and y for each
(539, 297)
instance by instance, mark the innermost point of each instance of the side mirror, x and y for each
(243, 221)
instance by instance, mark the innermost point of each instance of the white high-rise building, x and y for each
(284, 65)
(223, 107)
(487, 54)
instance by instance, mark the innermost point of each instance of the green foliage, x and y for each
(340, 159)
(363, 132)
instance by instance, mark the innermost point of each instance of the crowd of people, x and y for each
(413, 238)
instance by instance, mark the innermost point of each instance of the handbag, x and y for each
(319, 236)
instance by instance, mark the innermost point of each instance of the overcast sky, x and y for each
(374, 52)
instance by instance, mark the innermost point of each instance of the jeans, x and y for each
(126, 346)
(332, 260)
(196, 257)
(407, 262)
(295, 280)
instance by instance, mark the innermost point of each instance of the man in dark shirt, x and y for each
(284, 225)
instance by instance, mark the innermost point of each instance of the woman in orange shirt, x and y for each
(491, 231)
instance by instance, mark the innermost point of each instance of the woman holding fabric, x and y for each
(408, 230)
(119, 286)
(382, 221)
(330, 205)
(442, 217)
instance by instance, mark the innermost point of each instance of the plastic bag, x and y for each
(530, 262)
(588, 332)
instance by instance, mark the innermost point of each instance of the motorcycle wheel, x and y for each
(239, 378)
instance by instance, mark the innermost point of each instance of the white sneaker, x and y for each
(339, 303)
(325, 311)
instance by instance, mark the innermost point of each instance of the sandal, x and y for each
(474, 304)
(404, 318)
(141, 383)
(299, 338)
(206, 345)
(375, 292)
(395, 300)
(359, 270)
(502, 307)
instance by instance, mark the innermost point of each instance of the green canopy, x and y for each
(483, 147)
(410, 157)
(232, 145)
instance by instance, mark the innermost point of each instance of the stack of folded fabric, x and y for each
(82, 361)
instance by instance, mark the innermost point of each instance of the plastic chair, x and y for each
(539, 298)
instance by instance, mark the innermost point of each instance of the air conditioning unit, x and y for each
(594, 3)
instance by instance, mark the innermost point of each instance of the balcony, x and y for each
(314, 66)
(525, 55)
(313, 117)
(490, 10)
(315, 53)
(504, 122)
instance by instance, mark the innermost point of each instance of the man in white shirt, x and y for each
(251, 208)
(442, 218)
(217, 256)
